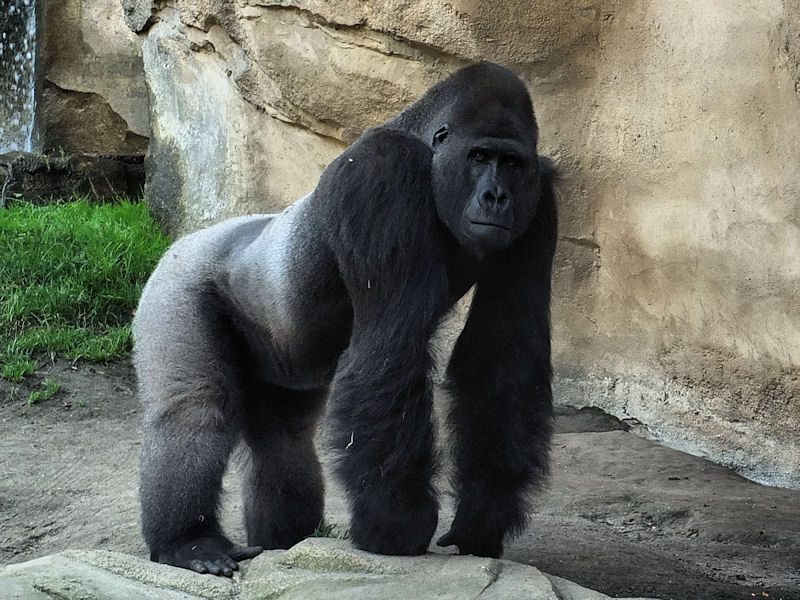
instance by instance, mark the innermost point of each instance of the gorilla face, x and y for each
(485, 186)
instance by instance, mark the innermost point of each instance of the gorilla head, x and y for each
(246, 329)
(484, 167)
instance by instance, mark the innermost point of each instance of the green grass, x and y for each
(70, 276)
(51, 388)
(330, 530)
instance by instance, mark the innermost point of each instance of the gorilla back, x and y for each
(247, 328)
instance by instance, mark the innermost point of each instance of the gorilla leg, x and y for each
(184, 455)
(192, 422)
(283, 490)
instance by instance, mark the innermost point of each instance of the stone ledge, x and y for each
(316, 568)
(99, 177)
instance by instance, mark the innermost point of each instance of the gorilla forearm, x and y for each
(501, 415)
(381, 429)
(501, 436)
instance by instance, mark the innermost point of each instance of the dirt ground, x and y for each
(621, 515)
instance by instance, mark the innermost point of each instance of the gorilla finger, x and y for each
(231, 564)
(245, 552)
(219, 567)
(198, 566)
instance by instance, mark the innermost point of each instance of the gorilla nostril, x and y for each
(493, 199)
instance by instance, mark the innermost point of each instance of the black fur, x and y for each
(247, 327)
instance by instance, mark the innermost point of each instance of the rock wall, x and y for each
(679, 278)
(676, 125)
(94, 96)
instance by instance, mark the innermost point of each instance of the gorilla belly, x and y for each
(303, 355)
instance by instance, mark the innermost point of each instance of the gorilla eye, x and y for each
(510, 161)
(479, 155)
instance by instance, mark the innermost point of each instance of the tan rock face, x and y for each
(95, 97)
(677, 283)
(682, 277)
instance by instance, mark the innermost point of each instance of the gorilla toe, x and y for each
(215, 555)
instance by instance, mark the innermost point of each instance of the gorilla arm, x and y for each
(499, 380)
(387, 247)
(380, 408)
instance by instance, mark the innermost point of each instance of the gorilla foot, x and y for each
(213, 554)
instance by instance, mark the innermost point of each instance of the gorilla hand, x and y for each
(471, 542)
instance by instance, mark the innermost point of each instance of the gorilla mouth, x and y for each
(487, 224)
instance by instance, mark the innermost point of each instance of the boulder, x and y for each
(214, 154)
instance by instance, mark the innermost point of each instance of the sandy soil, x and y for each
(621, 514)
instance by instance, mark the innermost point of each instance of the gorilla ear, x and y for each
(440, 135)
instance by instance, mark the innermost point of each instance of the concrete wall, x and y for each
(676, 125)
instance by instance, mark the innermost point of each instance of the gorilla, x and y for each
(250, 330)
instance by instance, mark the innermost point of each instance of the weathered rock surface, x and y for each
(322, 569)
(678, 275)
(213, 154)
(677, 278)
(95, 97)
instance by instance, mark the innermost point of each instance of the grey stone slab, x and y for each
(314, 569)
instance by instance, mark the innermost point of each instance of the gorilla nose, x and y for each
(492, 198)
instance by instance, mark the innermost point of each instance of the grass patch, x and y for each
(70, 277)
(51, 388)
(18, 368)
(330, 530)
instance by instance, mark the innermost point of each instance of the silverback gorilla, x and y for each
(251, 329)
